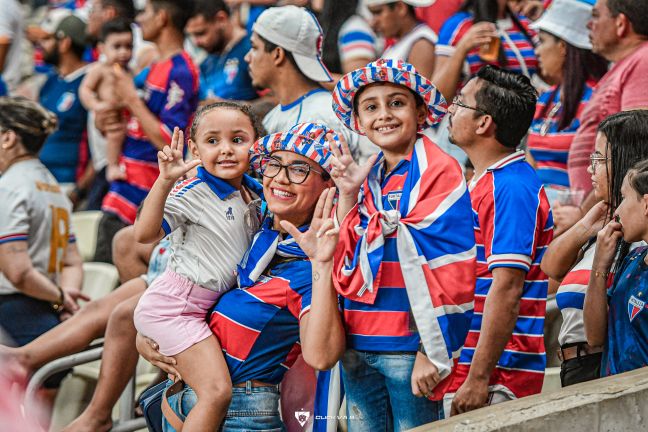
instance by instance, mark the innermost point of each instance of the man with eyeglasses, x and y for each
(503, 356)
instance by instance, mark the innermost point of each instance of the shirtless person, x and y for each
(97, 90)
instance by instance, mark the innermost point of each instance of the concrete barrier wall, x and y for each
(618, 403)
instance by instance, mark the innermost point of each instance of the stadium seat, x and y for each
(85, 225)
(99, 279)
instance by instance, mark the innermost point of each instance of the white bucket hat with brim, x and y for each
(296, 30)
(567, 20)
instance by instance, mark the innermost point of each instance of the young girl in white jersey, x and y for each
(212, 220)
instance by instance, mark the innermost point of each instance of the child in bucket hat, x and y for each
(405, 231)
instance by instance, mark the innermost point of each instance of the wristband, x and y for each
(58, 305)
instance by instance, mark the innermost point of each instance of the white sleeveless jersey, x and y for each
(402, 48)
(34, 209)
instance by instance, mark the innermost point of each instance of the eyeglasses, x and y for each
(296, 172)
(457, 101)
(596, 159)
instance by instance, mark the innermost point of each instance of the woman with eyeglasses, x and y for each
(567, 63)
(622, 141)
(285, 298)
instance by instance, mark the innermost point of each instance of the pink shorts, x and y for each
(172, 312)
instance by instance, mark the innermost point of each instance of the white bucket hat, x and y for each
(296, 30)
(415, 3)
(567, 19)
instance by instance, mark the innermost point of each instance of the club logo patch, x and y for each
(634, 307)
(65, 102)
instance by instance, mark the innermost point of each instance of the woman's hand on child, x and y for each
(425, 376)
(321, 239)
(606, 246)
(171, 158)
(149, 350)
(346, 173)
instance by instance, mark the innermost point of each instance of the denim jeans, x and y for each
(251, 409)
(379, 393)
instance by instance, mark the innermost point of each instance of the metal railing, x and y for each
(126, 422)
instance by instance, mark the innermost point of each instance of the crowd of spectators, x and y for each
(423, 178)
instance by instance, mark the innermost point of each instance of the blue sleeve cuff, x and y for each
(166, 227)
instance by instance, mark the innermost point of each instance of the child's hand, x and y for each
(346, 173)
(171, 160)
(425, 376)
(606, 246)
(320, 240)
(114, 173)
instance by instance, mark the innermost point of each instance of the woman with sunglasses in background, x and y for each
(621, 142)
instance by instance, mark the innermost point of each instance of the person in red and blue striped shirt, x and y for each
(567, 62)
(405, 266)
(464, 37)
(170, 97)
(504, 355)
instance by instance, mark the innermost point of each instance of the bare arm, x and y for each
(595, 308)
(16, 265)
(422, 57)
(501, 311)
(562, 253)
(321, 330)
(90, 87)
(447, 73)
(355, 63)
(4, 50)
(148, 225)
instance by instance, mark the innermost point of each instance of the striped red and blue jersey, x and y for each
(399, 253)
(549, 146)
(515, 42)
(171, 94)
(258, 326)
(513, 227)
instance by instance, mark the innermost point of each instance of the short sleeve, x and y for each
(14, 216)
(356, 40)
(508, 219)
(180, 101)
(451, 32)
(182, 206)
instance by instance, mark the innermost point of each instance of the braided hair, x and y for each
(29, 120)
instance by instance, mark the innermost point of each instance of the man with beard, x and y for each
(224, 73)
(65, 153)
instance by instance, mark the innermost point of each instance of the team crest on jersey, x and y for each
(175, 95)
(65, 102)
(634, 307)
(229, 214)
(231, 69)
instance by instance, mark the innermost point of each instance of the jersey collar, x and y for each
(219, 186)
(512, 158)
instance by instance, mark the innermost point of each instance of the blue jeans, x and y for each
(251, 409)
(379, 394)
